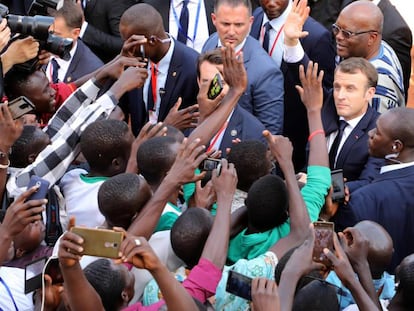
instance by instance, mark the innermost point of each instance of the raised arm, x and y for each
(188, 159)
(236, 77)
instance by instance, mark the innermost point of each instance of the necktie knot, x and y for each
(333, 152)
(342, 125)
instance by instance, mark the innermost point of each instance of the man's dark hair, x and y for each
(354, 65)
(267, 203)
(107, 281)
(212, 57)
(119, 199)
(405, 276)
(316, 296)
(250, 161)
(15, 81)
(71, 13)
(155, 158)
(102, 141)
(31, 141)
(189, 234)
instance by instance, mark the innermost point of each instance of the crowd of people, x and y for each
(199, 138)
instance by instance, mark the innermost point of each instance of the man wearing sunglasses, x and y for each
(358, 33)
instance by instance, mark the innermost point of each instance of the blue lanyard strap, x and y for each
(180, 28)
(10, 294)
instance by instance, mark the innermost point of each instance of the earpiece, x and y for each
(394, 147)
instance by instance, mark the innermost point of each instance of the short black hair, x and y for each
(107, 282)
(318, 295)
(155, 158)
(119, 199)
(267, 203)
(15, 80)
(250, 161)
(189, 234)
(104, 140)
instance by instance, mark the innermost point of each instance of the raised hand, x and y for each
(21, 213)
(137, 251)
(188, 159)
(280, 147)
(10, 129)
(224, 179)
(116, 67)
(184, 118)
(295, 21)
(234, 72)
(311, 92)
(70, 247)
(4, 34)
(355, 245)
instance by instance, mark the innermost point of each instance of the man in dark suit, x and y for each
(67, 24)
(240, 124)
(100, 30)
(200, 25)
(316, 46)
(354, 86)
(172, 68)
(395, 30)
(264, 94)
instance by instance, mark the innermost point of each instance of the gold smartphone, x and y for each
(100, 242)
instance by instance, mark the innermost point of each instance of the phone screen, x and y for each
(338, 185)
(239, 285)
(324, 232)
(216, 87)
(33, 275)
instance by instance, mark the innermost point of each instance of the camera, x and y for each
(38, 27)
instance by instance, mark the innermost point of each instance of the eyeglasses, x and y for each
(347, 33)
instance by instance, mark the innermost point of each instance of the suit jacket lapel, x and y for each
(354, 136)
(173, 75)
(258, 20)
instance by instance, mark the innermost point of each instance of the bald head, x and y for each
(380, 246)
(142, 19)
(365, 13)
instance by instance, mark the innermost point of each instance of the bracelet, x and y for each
(4, 166)
(314, 133)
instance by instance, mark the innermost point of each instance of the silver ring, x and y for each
(137, 242)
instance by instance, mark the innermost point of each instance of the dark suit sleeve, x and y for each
(369, 173)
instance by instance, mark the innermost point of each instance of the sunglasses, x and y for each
(347, 33)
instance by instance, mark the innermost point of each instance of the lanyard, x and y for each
(10, 294)
(177, 20)
(274, 42)
(216, 137)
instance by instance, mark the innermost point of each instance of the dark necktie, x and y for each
(267, 28)
(183, 27)
(55, 68)
(335, 145)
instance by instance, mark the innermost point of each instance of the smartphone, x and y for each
(338, 186)
(41, 193)
(100, 242)
(239, 285)
(142, 55)
(20, 106)
(324, 232)
(216, 86)
(209, 164)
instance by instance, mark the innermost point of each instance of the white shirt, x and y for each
(162, 69)
(63, 64)
(393, 167)
(196, 36)
(14, 282)
(348, 129)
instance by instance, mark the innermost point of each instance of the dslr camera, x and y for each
(38, 27)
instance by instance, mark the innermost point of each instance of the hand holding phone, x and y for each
(43, 189)
(216, 87)
(99, 242)
(20, 106)
(324, 232)
(239, 285)
(338, 186)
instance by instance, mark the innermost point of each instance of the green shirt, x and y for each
(250, 246)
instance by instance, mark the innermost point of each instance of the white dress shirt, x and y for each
(197, 34)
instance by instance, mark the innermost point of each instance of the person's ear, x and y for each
(75, 33)
(125, 297)
(397, 146)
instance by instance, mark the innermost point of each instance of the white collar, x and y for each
(393, 167)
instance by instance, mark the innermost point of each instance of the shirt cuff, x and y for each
(293, 54)
(83, 29)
